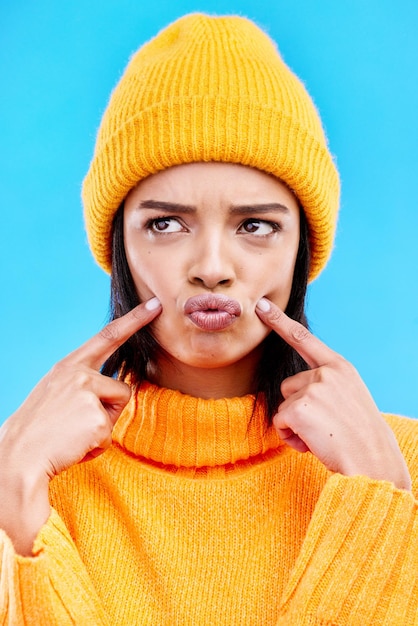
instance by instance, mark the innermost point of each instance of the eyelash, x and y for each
(151, 223)
(275, 227)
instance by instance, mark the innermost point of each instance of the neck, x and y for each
(230, 381)
(175, 430)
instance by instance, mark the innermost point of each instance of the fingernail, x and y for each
(152, 304)
(264, 305)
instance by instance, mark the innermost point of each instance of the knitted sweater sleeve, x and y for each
(359, 560)
(52, 587)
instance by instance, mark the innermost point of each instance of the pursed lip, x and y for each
(212, 302)
(212, 312)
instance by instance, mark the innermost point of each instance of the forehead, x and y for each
(193, 183)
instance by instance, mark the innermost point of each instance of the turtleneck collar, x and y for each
(171, 428)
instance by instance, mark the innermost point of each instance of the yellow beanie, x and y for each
(211, 89)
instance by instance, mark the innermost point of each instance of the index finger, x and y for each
(310, 348)
(100, 347)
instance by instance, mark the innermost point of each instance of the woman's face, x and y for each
(209, 240)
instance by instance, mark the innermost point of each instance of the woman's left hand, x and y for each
(329, 411)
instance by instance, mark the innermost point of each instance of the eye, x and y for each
(164, 225)
(258, 227)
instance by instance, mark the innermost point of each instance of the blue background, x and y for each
(58, 64)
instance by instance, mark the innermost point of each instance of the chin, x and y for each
(213, 350)
(204, 361)
(210, 358)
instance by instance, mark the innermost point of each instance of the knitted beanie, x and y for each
(211, 89)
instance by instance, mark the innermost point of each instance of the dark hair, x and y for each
(278, 361)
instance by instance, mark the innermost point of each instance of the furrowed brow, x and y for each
(170, 207)
(252, 209)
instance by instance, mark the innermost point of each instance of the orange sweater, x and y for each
(198, 515)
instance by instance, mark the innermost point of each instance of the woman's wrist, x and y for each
(25, 504)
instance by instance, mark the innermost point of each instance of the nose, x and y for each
(212, 264)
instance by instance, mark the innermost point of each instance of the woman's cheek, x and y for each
(278, 291)
(144, 282)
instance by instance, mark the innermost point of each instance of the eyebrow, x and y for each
(247, 209)
(238, 209)
(171, 207)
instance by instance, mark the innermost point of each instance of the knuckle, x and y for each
(276, 315)
(57, 370)
(286, 387)
(344, 367)
(58, 375)
(347, 367)
(66, 373)
(110, 333)
(81, 379)
(322, 374)
(137, 313)
(296, 415)
(100, 429)
(299, 412)
(125, 392)
(299, 333)
(315, 393)
(93, 404)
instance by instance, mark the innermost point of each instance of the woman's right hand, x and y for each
(66, 419)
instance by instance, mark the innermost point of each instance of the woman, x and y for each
(211, 199)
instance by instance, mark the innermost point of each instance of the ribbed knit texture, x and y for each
(257, 535)
(211, 89)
